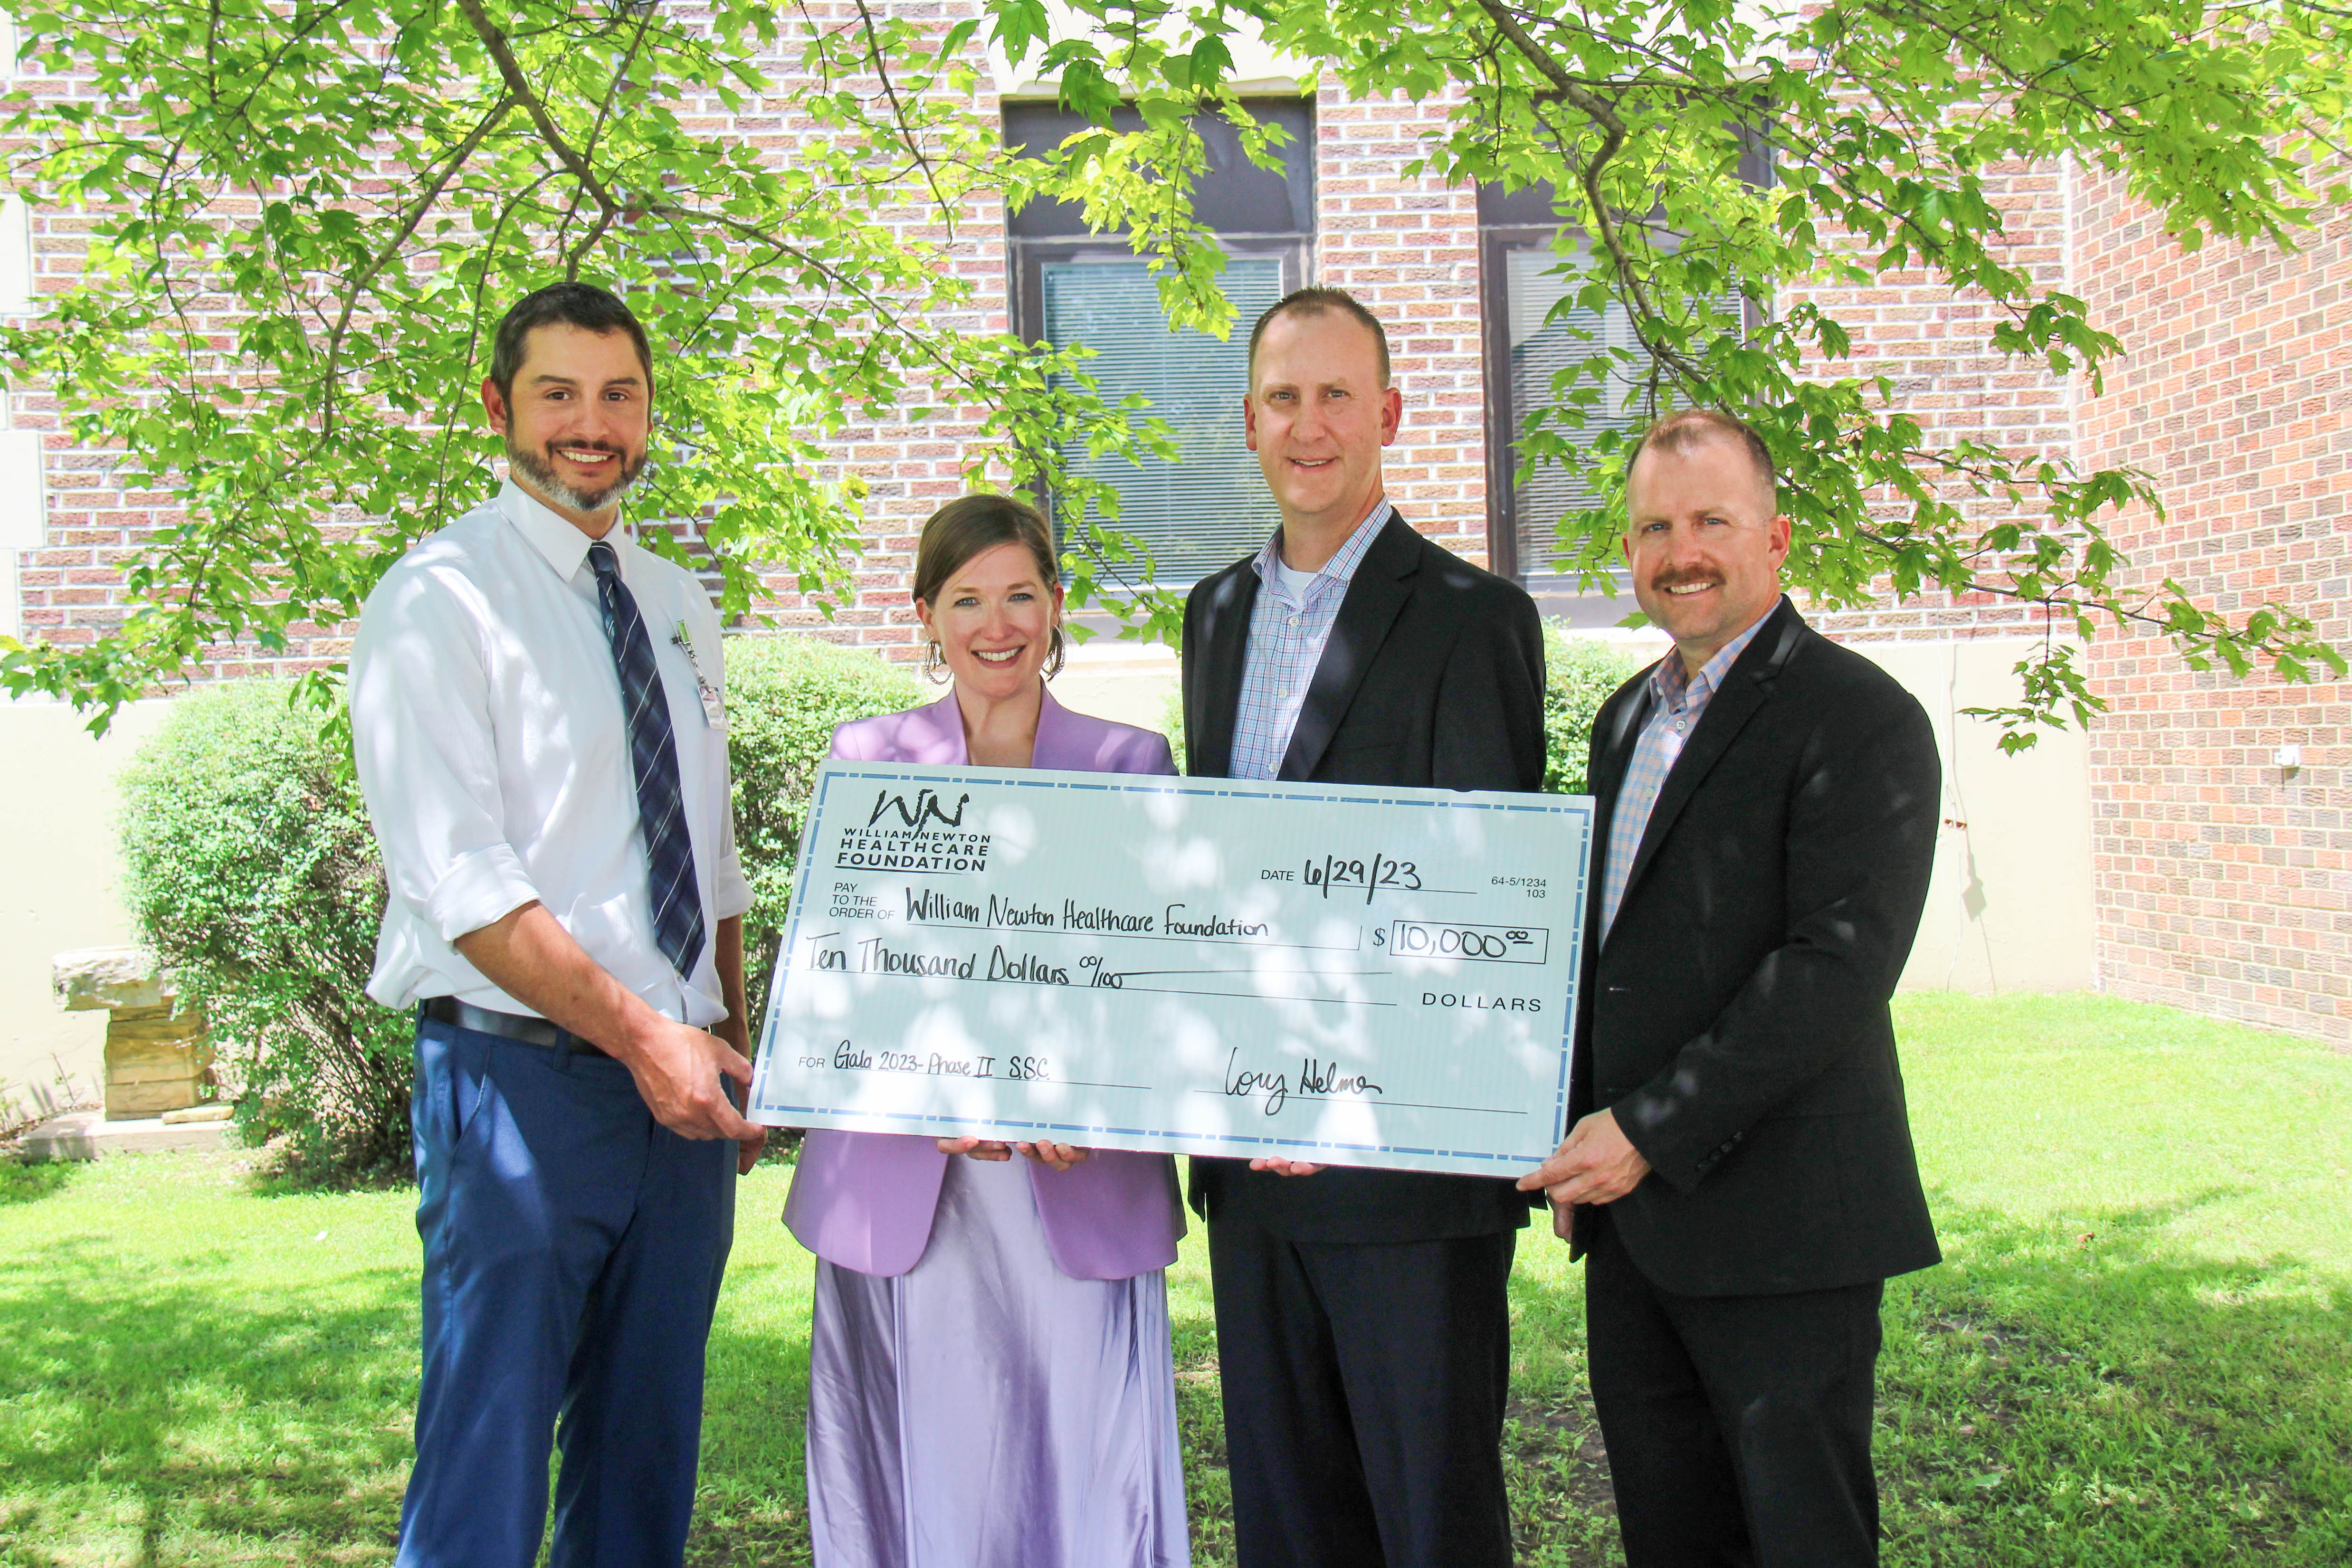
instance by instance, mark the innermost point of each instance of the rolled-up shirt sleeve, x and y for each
(427, 759)
(730, 890)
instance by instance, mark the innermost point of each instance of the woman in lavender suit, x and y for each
(989, 1382)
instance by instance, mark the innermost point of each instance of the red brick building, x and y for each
(2223, 817)
(2223, 876)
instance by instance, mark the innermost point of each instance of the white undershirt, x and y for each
(485, 719)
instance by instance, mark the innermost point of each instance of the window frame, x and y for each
(1495, 247)
(1027, 255)
(1525, 219)
(1026, 285)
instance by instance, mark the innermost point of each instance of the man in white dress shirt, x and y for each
(537, 708)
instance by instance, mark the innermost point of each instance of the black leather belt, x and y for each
(506, 1026)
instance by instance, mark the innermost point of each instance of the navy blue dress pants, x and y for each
(573, 1252)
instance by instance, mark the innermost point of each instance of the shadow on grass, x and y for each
(1200, 1430)
(2068, 1393)
(31, 1183)
(1563, 1512)
(165, 1415)
(2074, 1392)
(2078, 1392)
(751, 1503)
(151, 1415)
(270, 1178)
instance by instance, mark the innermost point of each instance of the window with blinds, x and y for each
(1520, 283)
(1540, 346)
(1209, 507)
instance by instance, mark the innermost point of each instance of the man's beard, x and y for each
(539, 469)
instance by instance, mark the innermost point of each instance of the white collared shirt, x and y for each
(485, 719)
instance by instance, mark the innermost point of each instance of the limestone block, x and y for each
(92, 977)
(83, 1136)
(137, 1102)
(155, 1061)
(159, 1027)
(174, 1067)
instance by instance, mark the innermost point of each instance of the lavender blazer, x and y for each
(865, 1200)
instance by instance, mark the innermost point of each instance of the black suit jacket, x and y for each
(1736, 1015)
(1432, 677)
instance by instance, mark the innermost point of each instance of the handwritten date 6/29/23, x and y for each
(1373, 874)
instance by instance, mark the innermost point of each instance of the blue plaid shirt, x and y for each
(1286, 642)
(1677, 701)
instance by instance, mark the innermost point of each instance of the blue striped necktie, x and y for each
(653, 755)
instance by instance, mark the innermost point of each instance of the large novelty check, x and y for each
(1370, 977)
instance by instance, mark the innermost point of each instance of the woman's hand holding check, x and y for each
(1059, 1157)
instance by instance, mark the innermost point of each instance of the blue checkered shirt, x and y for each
(1286, 642)
(1677, 701)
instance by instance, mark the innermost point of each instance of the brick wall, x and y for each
(1408, 250)
(2225, 882)
(71, 587)
(1936, 350)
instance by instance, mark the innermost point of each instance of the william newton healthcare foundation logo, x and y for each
(921, 834)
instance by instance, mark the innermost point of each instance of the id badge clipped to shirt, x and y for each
(714, 707)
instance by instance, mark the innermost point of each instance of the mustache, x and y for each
(1665, 580)
(539, 468)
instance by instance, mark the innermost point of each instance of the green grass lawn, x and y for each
(2138, 1351)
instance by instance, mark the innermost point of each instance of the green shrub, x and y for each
(1579, 676)
(252, 872)
(784, 694)
(254, 875)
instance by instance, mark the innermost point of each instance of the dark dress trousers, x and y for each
(1736, 1019)
(1363, 1324)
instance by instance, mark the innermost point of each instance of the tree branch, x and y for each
(389, 249)
(898, 117)
(519, 85)
(578, 253)
(1603, 114)
(474, 334)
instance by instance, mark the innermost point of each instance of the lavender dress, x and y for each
(991, 1383)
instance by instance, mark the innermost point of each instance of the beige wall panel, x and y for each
(59, 880)
(2010, 906)
(1114, 678)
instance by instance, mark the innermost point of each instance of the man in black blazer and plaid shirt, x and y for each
(1739, 1175)
(1363, 1329)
